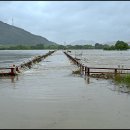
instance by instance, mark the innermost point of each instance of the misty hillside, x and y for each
(83, 42)
(11, 35)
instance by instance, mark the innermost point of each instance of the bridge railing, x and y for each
(87, 70)
(8, 71)
(15, 69)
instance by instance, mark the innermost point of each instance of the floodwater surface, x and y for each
(49, 96)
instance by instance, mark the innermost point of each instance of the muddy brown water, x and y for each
(49, 96)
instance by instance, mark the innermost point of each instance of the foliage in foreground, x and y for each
(123, 79)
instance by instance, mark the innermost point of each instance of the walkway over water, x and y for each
(85, 70)
(49, 96)
(15, 70)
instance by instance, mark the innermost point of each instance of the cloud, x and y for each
(67, 21)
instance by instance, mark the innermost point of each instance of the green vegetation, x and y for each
(109, 47)
(120, 79)
(13, 36)
(41, 46)
(123, 79)
(99, 46)
(119, 45)
(27, 47)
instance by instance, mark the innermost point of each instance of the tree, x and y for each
(61, 47)
(39, 46)
(120, 45)
(98, 46)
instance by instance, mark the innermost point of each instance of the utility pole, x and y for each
(12, 22)
(65, 45)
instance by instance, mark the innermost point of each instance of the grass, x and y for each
(119, 78)
(123, 79)
(76, 71)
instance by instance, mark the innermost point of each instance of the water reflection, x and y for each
(13, 79)
(120, 88)
(87, 79)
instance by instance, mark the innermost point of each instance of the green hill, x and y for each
(11, 35)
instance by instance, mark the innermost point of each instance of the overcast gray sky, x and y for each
(67, 21)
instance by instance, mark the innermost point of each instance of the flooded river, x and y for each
(102, 58)
(49, 96)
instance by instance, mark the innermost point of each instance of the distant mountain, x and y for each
(83, 42)
(11, 35)
(109, 43)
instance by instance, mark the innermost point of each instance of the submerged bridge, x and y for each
(15, 70)
(95, 71)
(85, 70)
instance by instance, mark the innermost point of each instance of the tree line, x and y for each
(119, 45)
